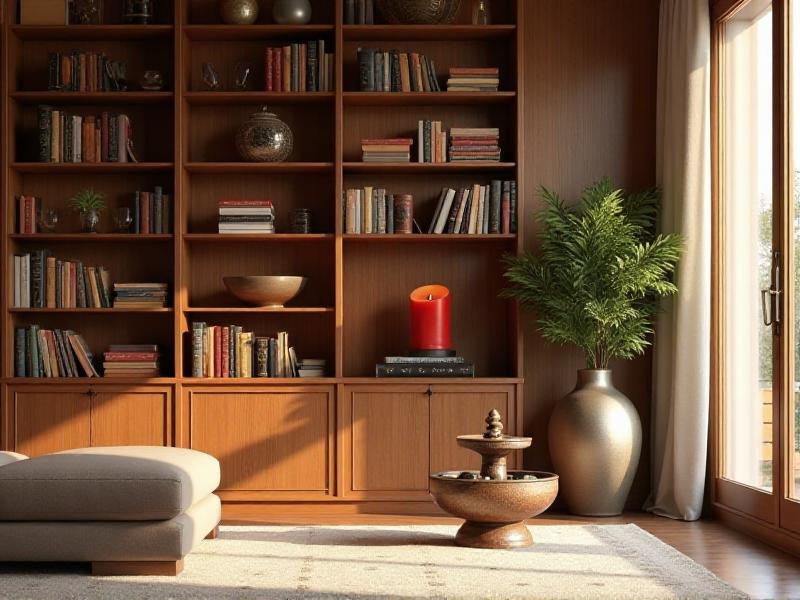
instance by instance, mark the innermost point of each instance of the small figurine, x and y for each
(494, 426)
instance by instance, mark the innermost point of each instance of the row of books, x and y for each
(242, 216)
(51, 353)
(359, 12)
(140, 295)
(415, 366)
(27, 209)
(131, 360)
(68, 138)
(152, 211)
(473, 79)
(372, 210)
(431, 142)
(386, 150)
(476, 210)
(42, 281)
(393, 71)
(230, 352)
(474, 144)
(79, 71)
(299, 67)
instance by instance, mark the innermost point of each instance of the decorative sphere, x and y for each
(291, 12)
(264, 138)
(238, 12)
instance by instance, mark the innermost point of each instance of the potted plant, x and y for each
(89, 204)
(595, 284)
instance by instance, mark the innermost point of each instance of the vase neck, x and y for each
(595, 377)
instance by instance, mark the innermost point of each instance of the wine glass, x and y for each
(47, 219)
(123, 219)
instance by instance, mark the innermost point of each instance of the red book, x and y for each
(130, 356)
(104, 137)
(277, 68)
(506, 210)
(23, 215)
(218, 352)
(226, 339)
(233, 203)
(268, 69)
(387, 142)
(30, 214)
(145, 207)
(73, 285)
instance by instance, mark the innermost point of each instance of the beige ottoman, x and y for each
(127, 510)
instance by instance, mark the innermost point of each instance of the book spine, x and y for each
(390, 213)
(20, 350)
(404, 213)
(277, 69)
(369, 12)
(225, 356)
(268, 67)
(197, 349)
(365, 75)
(45, 133)
(495, 208)
(424, 370)
(377, 71)
(350, 12)
(104, 144)
(217, 352)
(311, 66)
(158, 194)
(505, 208)
(137, 218)
(113, 138)
(262, 357)
(512, 206)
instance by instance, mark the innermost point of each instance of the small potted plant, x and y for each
(595, 284)
(89, 204)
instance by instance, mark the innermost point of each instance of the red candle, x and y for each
(430, 318)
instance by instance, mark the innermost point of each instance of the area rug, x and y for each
(415, 561)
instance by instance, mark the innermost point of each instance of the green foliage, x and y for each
(87, 200)
(600, 272)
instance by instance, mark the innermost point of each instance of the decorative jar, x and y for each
(264, 138)
(291, 12)
(90, 219)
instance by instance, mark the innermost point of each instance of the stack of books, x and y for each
(226, 351)
(51, 353)
(387, 150)
(246, 216)
(300, 67)
(474, 144)
(131, 360)
(311, 367)
(372, 210)
(140, 295)
(393, 71)
(27, 207)
(414, 366)
(152, 212)
(79, 71)
(469, 79)
(41, 281)
(431, 142)
(477, 209)
(68, 138)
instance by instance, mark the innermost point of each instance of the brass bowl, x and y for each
(265, 290)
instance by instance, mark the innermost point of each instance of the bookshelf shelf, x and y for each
(54, 97)
(267, 238)
(435, 33)
(270, 98)
(259, 309)
(83, 381)
(242, 167)
(92, 311)
(426, 98)
(425, 238)
(89, 168)
(92, 32)
(413, 167)
(235, 33)
(95, 238)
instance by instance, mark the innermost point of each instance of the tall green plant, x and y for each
(600, 272)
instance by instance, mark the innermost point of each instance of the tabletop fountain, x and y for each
(494, 502)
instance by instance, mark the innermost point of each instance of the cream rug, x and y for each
(419, 561)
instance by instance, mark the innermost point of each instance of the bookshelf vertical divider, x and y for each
(354, 310)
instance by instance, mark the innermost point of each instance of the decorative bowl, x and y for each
(265, 290)
(419, 12)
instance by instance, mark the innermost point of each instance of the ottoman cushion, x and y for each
(126, 483)
(6, 458)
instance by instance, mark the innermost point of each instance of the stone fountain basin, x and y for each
(494, 501)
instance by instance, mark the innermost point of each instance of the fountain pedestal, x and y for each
(494, 502)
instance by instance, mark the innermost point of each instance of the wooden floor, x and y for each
(753, 567)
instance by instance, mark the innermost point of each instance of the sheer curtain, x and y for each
(682, 356)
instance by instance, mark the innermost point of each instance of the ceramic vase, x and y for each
(238, 12)
(90, 219)
(264, 138)
(595, 438)
(291, 12)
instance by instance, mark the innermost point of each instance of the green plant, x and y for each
(87, 200)
(600, 272)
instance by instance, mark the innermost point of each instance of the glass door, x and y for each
(749, 268)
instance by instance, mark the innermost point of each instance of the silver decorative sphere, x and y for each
(291, 12)
(264, 138)
(238, 12)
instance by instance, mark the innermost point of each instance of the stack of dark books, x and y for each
(242, 216)
(134, 360)
(140, 295)
(424, 366)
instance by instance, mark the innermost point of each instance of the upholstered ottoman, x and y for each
(127, 510)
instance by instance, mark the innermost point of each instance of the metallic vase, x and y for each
(238, 12)
(291, 12)
(595, 440)
(264, 138)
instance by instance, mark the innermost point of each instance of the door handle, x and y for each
(770, 297)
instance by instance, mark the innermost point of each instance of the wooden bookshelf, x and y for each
(353, 310)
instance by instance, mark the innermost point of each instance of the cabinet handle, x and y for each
(429, 393)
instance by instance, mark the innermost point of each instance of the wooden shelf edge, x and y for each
(260, 97)
(90, 380)
(222, 33)
(227, 238)
(92, 237)
(91, 311)
(262, 381)
(428, 237)
(53, 97)
(243, 167)
(259, 310)
(426, 98)
(108, 167)
(415, 167)
(427, 32)
(92, 32)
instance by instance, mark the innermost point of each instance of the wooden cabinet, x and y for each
(272, 443)
(47, 418)
(392, 437)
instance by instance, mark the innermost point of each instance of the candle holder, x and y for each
(430, 322)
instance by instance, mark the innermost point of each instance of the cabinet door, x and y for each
(49, 421)
(386, 439)
(271, 443)
(460, 410)
(131, 417)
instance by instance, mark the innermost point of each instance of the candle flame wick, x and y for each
(430, 297)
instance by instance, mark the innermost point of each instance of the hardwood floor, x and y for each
(749, 565)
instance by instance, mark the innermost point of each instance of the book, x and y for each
(425, 369)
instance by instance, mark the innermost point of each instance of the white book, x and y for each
(387, 72)
(473, 216)
(441, 222)
(421, 142)
(438, 211)
(223, 212)
(481, 209)
(17, 281)
(25, 282)
(462, 208)
(368, 209)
